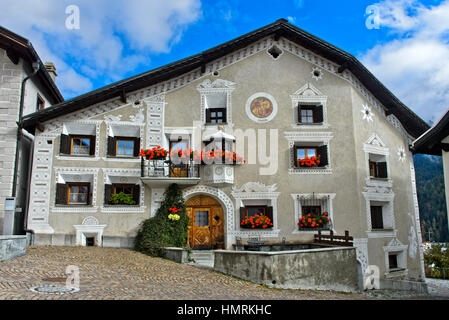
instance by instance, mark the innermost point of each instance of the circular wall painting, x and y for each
(261, 107)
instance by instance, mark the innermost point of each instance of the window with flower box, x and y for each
(310, 156)
(313, 211)
(130, 192)
(256, 217)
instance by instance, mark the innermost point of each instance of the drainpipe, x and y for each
(36, 66)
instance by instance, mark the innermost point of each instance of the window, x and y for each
(252, 211)
(201, 218)
(303, 152)
(309, 114)
(125, 148)
(306, 115)
(376, 217)
(378, 166)
(40, 103)
(313, 210)
(80, 146)
(116, 188)
(78, 194)
(126, 189)
(216, 115)
(393, 261)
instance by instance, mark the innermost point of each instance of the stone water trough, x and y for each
(313, 267)
(12, 246)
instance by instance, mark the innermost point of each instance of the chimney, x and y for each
(51, 69)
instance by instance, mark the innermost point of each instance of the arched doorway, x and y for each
(206, 222)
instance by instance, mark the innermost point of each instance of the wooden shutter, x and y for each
(299, 114)
(295, 156)
(136, 147)
(111, 146)
(136, 193)
(322, 152)
(382, 170)
(61, 193)
(64, 144)
(242, 213)
(208, 116)
(92, 145)
(225, 115)
(89, 195)
(318, 114)
(107, 193)
(269, 213)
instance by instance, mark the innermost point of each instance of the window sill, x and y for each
(75, 157)
(74, 209)
(382, 233)
(392, 273)
(310, 170)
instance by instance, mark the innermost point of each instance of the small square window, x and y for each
(77, 194)
(80, 146)
(125, 148)
(216, 115)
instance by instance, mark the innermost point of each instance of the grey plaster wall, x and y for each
(322, 269)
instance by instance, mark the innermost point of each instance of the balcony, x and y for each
(161, 173)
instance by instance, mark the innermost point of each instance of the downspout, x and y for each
(36, 66)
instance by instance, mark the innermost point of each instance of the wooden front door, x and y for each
(206, 225)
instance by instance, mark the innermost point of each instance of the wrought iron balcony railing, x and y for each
(168, 169)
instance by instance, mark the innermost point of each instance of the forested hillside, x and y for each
(431, 198)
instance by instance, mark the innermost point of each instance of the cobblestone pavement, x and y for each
(107, 273)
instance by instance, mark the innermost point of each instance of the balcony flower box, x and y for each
(156, 153)
(256, 222)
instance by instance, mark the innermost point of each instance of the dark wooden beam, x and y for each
(12, 55)
(277, 36)
(388, 111)
(40, 127)
(343, 67)
(445, 146)
(203, 68)
(123, 96)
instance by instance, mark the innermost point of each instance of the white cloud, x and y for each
(298, 3)
(114, 37)
(414, 65)
(291, 19)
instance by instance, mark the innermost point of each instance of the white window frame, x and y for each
(309, 95)
(329, 197)
(319, 138)
(395, 246)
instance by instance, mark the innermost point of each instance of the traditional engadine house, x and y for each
(278, 84)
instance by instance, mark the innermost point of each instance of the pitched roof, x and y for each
(17, 46)
(414, 125)
(430, 141)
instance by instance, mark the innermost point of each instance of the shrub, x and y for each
(122, 198)
(161, 231)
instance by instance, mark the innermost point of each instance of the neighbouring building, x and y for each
(305, 97)
(435, 141)
(26, 86)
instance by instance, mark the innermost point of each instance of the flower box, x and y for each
(156, 153)
(256, 222)
(308, 162)
(314, 222)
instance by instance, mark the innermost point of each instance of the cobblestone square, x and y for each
(109, 274)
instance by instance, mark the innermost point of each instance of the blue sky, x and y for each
(121, 38)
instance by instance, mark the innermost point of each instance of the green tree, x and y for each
(159, 231)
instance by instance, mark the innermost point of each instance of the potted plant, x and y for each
(310, 221)
(258, 221)
(122, 199)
